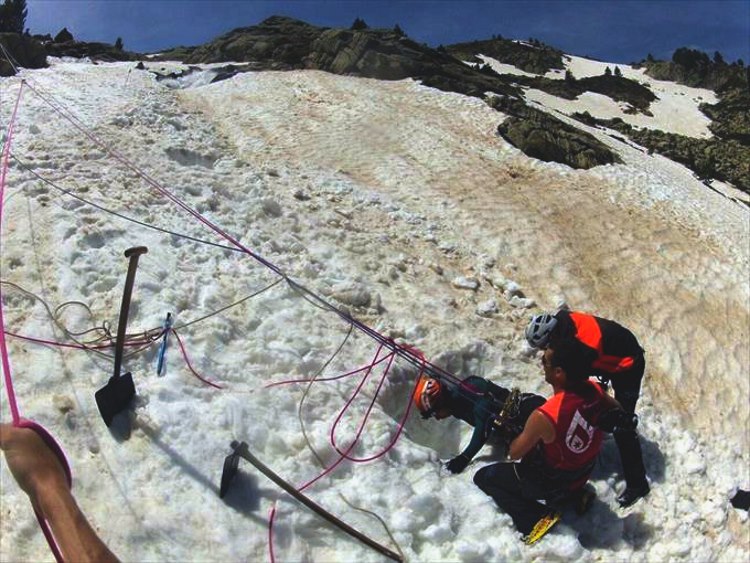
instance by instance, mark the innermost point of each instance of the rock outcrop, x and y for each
(281, 43)
(695, 68)
(25, 50)
(618, 88)
(730, 117)
(277, 43)
(531, 56)
(92, 50)
(545, 137)
(725, 160)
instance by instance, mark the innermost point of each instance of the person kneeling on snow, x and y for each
(478, 402)
(558, 446)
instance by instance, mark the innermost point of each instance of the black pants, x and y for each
(516, 490)
(627, 388)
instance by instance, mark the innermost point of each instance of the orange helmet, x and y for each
(428, 395)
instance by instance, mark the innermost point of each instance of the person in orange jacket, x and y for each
(619, 359)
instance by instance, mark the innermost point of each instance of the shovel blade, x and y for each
(115, 396)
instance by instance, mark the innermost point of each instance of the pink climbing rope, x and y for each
(271, 518)
(401, 424)
(9, 390)
(3, 346)
(190, 366)
(323, 379)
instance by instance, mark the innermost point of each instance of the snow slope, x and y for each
(386, 198)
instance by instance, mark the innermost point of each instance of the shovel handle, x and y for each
(133, 254)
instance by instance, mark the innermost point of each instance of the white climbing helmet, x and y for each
(539, 330)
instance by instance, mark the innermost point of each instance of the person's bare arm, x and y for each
(537, 428)
(40, 474)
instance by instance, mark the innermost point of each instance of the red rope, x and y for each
(359, 431)
(387, 369)
(271, 518)
(190, 366)
(402, 423)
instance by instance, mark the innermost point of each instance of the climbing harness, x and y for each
(510, 409)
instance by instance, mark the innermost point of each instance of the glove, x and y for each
(457, 464)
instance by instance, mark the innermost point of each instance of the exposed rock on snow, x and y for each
(463, 282)
(353, 294)
(487, 308)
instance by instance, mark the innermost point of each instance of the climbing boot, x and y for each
(543, 526)
(631, 494)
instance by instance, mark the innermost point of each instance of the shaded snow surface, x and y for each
(399, 203)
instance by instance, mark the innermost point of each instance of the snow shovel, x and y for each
(116, 395)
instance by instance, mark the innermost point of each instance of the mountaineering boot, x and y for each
(632, 464)
(741, 500)
(543, 526)
(631, 494)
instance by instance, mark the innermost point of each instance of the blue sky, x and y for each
(611, 30)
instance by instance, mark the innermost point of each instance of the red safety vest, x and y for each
(577, 441)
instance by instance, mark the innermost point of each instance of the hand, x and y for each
(33, 465)
(457, 464)
(39, 472)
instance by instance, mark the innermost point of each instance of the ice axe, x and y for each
(116, 395)
(242, 450)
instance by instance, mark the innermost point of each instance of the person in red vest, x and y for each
(558, 446)
(620, 359)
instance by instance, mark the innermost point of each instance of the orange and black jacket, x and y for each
(617, 348)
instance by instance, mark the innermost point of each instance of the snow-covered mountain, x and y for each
(401, 204)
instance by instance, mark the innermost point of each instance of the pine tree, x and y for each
(118, 44)
(13, 16)
(359, 24)
(607, 72)
(618, 72)
(398, 31)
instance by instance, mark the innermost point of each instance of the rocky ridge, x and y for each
(282, 43)
(31, 51)
(534, 56)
